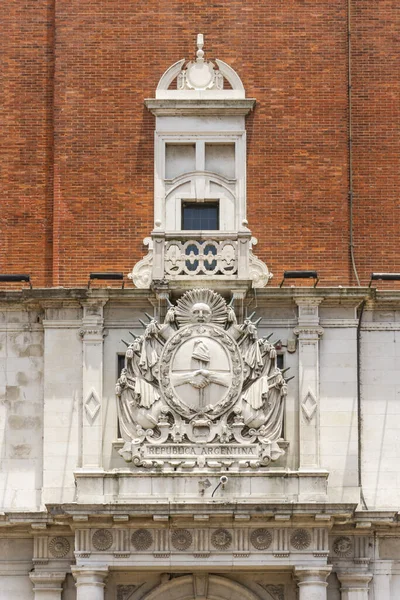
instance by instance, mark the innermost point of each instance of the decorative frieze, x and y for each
(200, 541)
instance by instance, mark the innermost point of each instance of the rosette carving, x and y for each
(59, 547)
(181, 539)
(102, 539)
(261, 539)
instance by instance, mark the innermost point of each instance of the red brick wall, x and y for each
(109, 56)
(376, 120)
(26, 95)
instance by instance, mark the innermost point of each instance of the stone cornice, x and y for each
(42, 298)
(200, 107)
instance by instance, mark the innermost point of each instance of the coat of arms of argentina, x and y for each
(201, 390)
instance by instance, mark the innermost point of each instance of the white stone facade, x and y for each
(75, 512)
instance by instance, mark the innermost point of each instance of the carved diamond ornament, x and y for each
(309, 405)
(92, 405)
(200, 390)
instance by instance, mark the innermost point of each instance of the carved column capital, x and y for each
(312, 582)
(91, 334)
(47, 585)
(308, 327)
(309, 332)
(90, 582)
(354, 585)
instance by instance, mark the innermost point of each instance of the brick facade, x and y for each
(77, 161)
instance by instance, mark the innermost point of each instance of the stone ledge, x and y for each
(200, 107)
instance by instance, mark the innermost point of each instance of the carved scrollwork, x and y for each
(142, 272)
(258, 270)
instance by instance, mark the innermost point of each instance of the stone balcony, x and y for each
(217, 259)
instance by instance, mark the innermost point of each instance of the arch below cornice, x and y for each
(201, 587)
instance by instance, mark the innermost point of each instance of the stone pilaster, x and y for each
(308, 331)
(354, 586)
(312, 582)
(47, 585)
(382, 579)
(92, 334)
(90, 582)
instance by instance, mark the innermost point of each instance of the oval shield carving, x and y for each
(201, 371)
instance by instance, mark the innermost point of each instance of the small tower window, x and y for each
(200, 216)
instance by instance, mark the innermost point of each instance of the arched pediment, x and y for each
(200, 77)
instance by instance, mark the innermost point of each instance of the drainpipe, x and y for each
(350, 143)
(359, 413)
